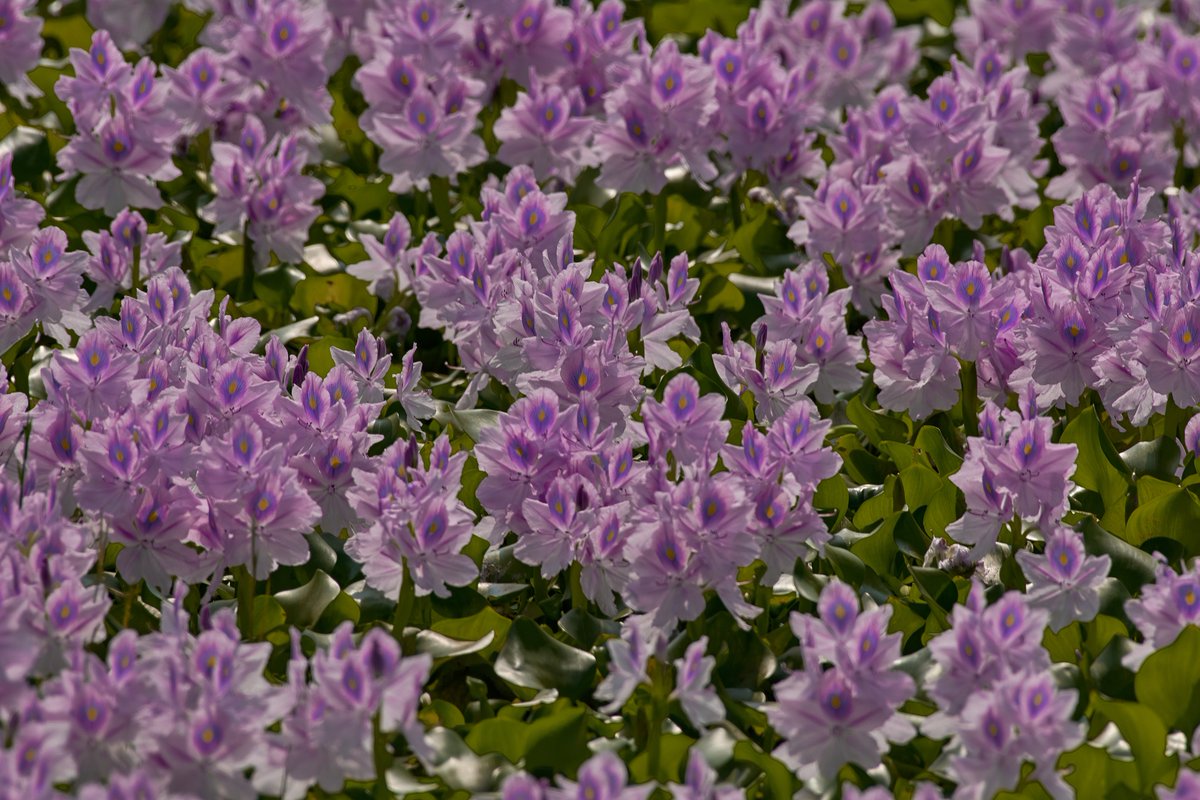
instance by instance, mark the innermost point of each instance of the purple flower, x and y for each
(100, 73)
(119, 165)
(602, 776)
(826, 722)
(628, 656)
(19, 217)
(840, 220)
(1187, 785)
(523, 786)
(1065, 581)
(132, 23)
(425, 140)
(21, 45)
(202, 90)
(685, 422)
(989, 503)
(1036, 471)
(693, 689)
(700, 782)
(1165, 608)
(540, 130)
(389, 270)
(664, 581)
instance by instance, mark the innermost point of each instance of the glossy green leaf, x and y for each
(1098, 467)
(1174, 515)
(536, 660)
(1131, 566)
(305, 605)
(1147, 737)
(1169, 681)
(475, 627)
(1159, 458)
(268, 615)
(337, 292)
(877, 426)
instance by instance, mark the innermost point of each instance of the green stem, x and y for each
(247, 288)
(660, 222)
(136, 270)
(578, 598)
(421, 209)
(245, 602)
(1174, 420)
(659, 691)
(970, 398)
(762, 598)
(382, 759)
(439, 189)
(735, 206)
(102, 541)
(131, 594)
(404, 607)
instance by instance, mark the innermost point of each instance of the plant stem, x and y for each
(735, 206)
(247, 288)
(245, 601)
(659, 691)
(136, 269)
(381, 759)
(762, 598)
(131, 594)
(970, 398)
(439, 189)
(660, 222)
(404, 607)
(578, 598)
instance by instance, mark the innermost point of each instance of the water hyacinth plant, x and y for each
(595, 400)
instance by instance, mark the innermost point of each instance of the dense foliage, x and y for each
(440, 397)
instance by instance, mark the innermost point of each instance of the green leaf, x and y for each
(940, 11)
(471, 421)
(502, 735)
(1150, 488)
(920, 485)
(877, 426)
(341, 609)
(476, 627)
(628, 218)
(1174, 515)
(675, 747)
(847, 565)
(1094, 773)
(932, 444)
(1169, 682)
(1131, 566)
(585, 628)
(268, 615)
(943, 508)
(1159, 457)
(338, 291)
(305, 605)
(878, 550)
(877, 507)
(1098, 467)
(779, 779)
(1147, 737)
(694, 17)
(832, 495)
(536, 660)
(441, 646)
(557, 743)
(553, 744)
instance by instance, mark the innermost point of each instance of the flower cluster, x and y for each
(807, 552)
